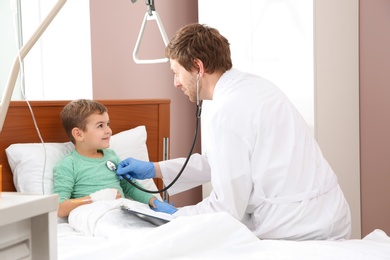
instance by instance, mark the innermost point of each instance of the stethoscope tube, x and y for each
(198, 113)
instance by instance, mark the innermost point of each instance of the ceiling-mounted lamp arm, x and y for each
(151, 14)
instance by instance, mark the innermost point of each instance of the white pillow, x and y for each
(131, 143)
(27, 160)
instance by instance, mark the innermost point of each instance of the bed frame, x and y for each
(124, 114)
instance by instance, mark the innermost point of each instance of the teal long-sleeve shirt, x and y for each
(77, 176)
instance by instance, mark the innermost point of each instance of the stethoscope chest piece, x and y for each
(111, 166)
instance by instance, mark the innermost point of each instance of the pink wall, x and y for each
(374, 114)
(114, 30)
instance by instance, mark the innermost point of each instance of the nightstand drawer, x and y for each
(15, 240)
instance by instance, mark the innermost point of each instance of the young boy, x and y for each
(82, 176)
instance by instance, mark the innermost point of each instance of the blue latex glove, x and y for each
(163, 207)
(133, 168)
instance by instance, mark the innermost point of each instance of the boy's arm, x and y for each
(68, 205)
(148, 198)
(136, 194)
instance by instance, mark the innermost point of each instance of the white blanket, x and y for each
(106, 219)
(102, 231)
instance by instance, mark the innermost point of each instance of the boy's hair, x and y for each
(76, 112)
(197, 41)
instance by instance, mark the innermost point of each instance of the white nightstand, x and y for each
(28, 226)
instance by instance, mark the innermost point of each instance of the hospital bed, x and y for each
(102, 230)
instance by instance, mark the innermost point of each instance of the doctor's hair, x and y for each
(198, 41)
(76, 112)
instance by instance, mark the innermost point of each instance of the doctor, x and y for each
(265, 166)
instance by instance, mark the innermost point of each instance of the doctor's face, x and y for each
(184, 80)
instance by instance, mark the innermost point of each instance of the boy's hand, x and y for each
(105, 194)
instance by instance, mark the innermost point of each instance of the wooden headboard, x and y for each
(124, 114)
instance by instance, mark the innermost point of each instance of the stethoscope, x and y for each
(111, 166)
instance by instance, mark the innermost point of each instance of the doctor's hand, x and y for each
(133, 168)
(165, 207)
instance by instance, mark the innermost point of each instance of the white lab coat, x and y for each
(264, 164)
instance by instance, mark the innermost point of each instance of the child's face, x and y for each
(98, 132)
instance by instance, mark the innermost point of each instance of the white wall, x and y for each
(59, 65)
(8, 46)
(273, 39)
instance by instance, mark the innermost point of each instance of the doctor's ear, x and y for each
(198, 65)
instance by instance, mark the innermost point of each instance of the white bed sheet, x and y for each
(102, 231)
